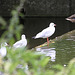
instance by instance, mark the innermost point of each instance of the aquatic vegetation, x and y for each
(26, 62)
(36, 62)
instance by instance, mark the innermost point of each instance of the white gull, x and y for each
(49, 31)
(3, 50)
(21, 43)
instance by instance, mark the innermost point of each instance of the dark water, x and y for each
(34, 25)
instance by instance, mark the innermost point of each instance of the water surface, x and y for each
(62, 51)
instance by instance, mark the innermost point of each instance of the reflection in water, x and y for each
(48, 52)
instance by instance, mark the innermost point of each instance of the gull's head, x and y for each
(4, 44)
(23, 36)
(52, 24)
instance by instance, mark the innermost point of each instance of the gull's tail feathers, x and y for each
(33, 37)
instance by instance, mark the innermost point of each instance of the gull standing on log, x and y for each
(21, 43)
(49, 31)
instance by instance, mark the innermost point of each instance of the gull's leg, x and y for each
(47, 42)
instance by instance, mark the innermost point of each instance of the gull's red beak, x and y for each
(55, 25)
